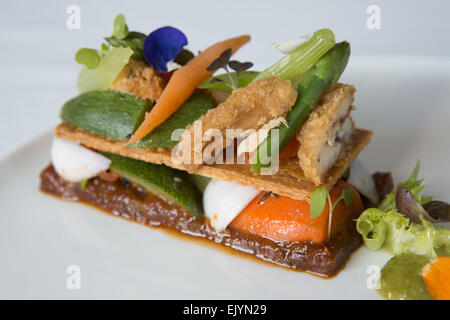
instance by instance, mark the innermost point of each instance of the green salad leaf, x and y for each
(134, 40)
(385, 228)
(111, 64)
(394, 232)
(413, 184)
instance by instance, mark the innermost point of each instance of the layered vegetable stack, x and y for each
(263, 162)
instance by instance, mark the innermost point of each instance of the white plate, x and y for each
(405, 101)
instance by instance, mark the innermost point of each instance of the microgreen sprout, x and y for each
(91, 58)
(239, 67)
(104, 47)
(319, 198)
(121, 37)
(120, 27)
(88, 57)
(318, 202)
(160, 47)
(223, 61)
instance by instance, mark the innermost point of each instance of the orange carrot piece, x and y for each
(436, 276)
(291, 149)
(289, 152)
(183, 83)
(286, 219)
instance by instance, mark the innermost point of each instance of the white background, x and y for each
(38, 73)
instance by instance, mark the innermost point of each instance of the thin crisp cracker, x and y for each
(288, 181)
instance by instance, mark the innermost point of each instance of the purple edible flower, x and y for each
(162, 46)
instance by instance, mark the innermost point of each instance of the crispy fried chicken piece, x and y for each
(140, 79)
(247, 108)
(326, 132)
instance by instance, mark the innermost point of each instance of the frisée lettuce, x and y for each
(413, 184)
(394, 232)
(388, 229)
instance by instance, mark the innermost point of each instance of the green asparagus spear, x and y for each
(294, 65)
(315, 83)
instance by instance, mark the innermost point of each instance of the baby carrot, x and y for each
(281, 218)
(183, 83)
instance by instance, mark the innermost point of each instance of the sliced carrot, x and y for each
(291, 149)
(183, 83)
(436, 276)
(289, 152)
(284, 219)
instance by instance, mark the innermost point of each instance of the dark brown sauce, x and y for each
(236, 253)
(125, 200)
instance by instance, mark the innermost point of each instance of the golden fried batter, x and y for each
(326, 132)
(140, 79)
(247, 108)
